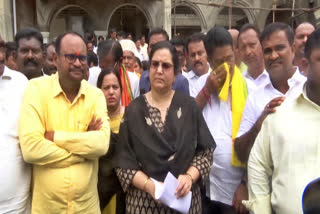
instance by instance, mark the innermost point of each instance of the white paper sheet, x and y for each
(165, 194)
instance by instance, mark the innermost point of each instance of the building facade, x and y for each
(178, 17)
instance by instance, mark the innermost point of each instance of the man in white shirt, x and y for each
(139, 52)
(144, 47)
(29, 58)
(178, 44)
(110, 54)
(223, 178)
(285, 80)
(197, 58)
(250, 52)
(15, 176)
(285, 156)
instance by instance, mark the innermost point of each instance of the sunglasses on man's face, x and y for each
(165, 65)
(71, 58)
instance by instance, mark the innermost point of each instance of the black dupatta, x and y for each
(142, 147)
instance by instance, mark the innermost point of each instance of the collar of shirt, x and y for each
(296, 78)
(6, 74)
(58, 90)
(264, 74)
(305, 97)
(191, 74)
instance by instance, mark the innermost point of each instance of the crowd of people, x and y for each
(95, 127)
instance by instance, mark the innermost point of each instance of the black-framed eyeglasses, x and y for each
(165, 65)
(71, 58)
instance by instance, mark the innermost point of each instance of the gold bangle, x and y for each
(145, 184)
(190, 176)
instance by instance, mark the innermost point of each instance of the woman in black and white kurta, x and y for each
(162, 131)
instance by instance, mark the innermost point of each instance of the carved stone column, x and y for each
(167, 17)
(6, 25)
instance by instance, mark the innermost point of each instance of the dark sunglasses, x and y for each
(71, 58)
(165, 65)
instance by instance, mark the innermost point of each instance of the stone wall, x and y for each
(6, 20)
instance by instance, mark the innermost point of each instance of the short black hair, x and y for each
(217, 37)
(10, 49)
(92, 57)
(46, 46)
(2, 46)
(158, 30)
(313, 42)
(139, 62)
(311, 197)
(277, 26)
(196, 37)
(112, 30)
(59, 39)
(177, 41)
(249, 26)
(89, 41)
(100, 37)
(110, 47)
(28, 33)
(122, 34)
(167, 45)
(105, 72)
(140, 37)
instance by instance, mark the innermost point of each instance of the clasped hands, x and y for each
(94, 125)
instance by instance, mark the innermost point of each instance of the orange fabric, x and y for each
(126, 95)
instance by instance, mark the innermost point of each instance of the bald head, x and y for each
(300, 38)
(234, 34)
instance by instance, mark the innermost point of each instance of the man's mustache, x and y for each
(274, 61)
(196, 63)
(31, 61)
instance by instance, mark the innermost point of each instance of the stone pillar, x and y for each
(75, 23)
(45, 37)
(6, 25)
(103, 33)
(167, 17)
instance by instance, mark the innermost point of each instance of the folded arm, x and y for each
(90, 144)
(35, 148)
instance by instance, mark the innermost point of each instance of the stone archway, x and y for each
(186, 20)
(239, 16)
(70, 18)
(281, 16)
(130, 18)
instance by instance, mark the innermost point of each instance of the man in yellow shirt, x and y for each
(63, 130)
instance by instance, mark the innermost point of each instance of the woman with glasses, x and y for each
(162, 131)
(111, 195)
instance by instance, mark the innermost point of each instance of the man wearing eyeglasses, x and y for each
(63, 130)
(29, 57)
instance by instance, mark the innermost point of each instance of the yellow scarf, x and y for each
(239, 93)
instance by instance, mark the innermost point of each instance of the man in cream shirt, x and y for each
(285, 156)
